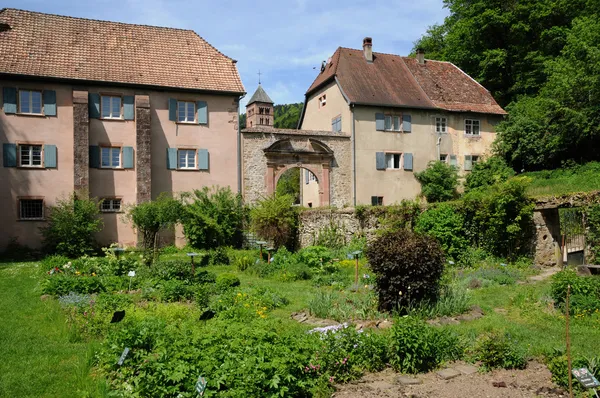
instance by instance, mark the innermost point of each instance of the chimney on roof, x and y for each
(368, 49)
(421, 56)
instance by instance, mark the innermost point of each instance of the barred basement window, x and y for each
(30, 155)
(110, 205)
(31, 209)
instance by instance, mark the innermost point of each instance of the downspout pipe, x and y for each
(239, 147)
(353, 156)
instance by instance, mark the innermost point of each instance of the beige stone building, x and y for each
(401, 114)
(123, 111)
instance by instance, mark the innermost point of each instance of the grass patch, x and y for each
(581, 178)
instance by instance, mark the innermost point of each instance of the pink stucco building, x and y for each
(123, 111)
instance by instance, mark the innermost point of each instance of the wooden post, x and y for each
(356, 273)
(569, 343)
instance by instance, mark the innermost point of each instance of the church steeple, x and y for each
(259, 111)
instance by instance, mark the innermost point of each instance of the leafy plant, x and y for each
(488, 172)
(227, 281)
(274, 219)
(445, 224)
(61, 285)
(332, 236)
(585, 291)
(438, 182)
(315, 256)
(496, 350)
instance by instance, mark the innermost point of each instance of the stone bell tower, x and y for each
(259, 111)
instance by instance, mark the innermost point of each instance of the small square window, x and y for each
(110, 107)
(30, 102)
(31, 209)
(472, 127)
(322, 101)
(377, 200)
(110, 157)
(186, 111)
(30, 155)
(186, 159)
(444, 158)
(440, 125)
(392, 160)
(110, 205)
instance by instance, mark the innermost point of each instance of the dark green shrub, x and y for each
(174, 290)
(218, 256)
(227, 281)
(438, 182)
(180, 270)
(496, 350)
(418, 347)
(408, 267)
(71, 226)
(275, 219)
(315, 256)
(488, 172)
(213, 217)
(558, 366)
(446, 224)
(113, 302)
(585, 291)
(60, 285)
(592, 214)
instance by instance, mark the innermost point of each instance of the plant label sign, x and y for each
(123, 356)
(201, 385)
(586, 378)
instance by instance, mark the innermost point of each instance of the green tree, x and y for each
(287, 115)
(71, 226)
(289, 184)
(275, 219)
(488, 172)
(438, 182)
(149, 218)
(446, 224)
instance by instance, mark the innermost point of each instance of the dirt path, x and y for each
(535, 381)
(545, 274)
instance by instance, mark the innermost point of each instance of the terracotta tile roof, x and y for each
(392, 80)
(56, 46)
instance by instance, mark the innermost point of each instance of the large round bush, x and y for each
(408, 268)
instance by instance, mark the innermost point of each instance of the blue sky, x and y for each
(283, 39)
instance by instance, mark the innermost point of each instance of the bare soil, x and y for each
(534, 381)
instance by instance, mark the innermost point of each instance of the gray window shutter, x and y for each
(468, 163)
(50, 156)
(406, 123)
(453, 161)
(380, 160)
(408, 161)
(127, 157)
(172, 158)
(306, 175)
(128, 107)
(94, 156)
(172, 109)
(379, 121)
(9, 95)
(202, 159)
(9, 152)
(202, 109)
(49, 101)
(94, 105)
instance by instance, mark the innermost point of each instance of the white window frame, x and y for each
(111, 150)
(444, 157)
(111, 100)
(21, 200)
(443, 124)
(29, 148)
(30, 103)
(187, 151)
(186, 105)
(470, 124)
(322, 100)
(388, 123)
(390, 160)
(475, 159)
(112, 207)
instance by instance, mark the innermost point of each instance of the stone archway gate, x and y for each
(268, 152)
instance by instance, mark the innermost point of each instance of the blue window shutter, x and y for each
(50, 156)
(408, 161)
(380, 160)
(128, 107)
(202, 159)
(453, 161)
(94, 156)
(406, 123)
(468, 163)
(172, 158)
(49, 103)
(9, 94)
(128, 157)
(379, 121)
(94, 105)
(202, 109)
(172, 109)
(10, 155)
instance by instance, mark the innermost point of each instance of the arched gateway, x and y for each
(267, 153)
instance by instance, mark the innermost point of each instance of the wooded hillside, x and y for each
(286, 116)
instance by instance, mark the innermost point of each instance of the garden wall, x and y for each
(314, 221)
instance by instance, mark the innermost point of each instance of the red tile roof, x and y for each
(56, 46)
(392, 80)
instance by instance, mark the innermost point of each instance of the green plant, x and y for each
(488, 172)
(53, 262)
(454, 300)
(497, 350)
(274, 219)
(344, 306)
(315, 256)
(417, 347)
(61, 284)
(585, 291)
(227, 281)
(332, 236)
(180, 270)
(593, 230)
(445, 223)
(175, 290)
(408, 267)
(218, 256)
(438, 182)
(71, 226)
(213, 217)
(242, 263)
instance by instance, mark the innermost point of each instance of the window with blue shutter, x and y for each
(379, 121)
(50, 160)
(49, 102)
(172, 109)
(128, 107)
(380, 160)
(408, 161)
(94, 156)
(406, 123)
(94, 105)
(128, 157)
(202, 159)
(172, 158)
(9, 155)
(9, 96)
(202, 107)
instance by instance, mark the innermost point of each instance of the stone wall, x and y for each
(312, 222)
(81, 143)
(143, 143)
